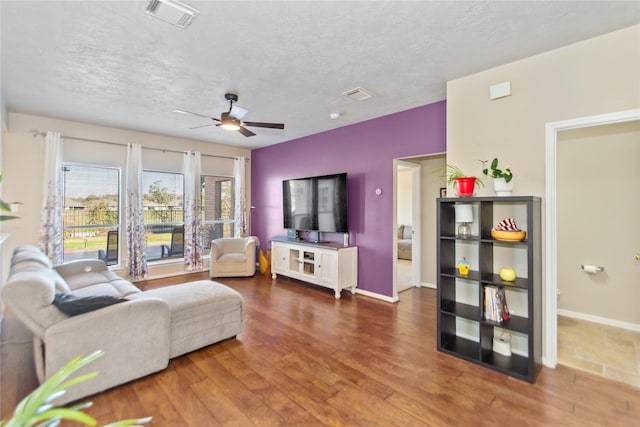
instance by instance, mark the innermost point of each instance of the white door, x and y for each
(328, 267)
(280, 258)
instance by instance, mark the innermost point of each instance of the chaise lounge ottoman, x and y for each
(202, 313)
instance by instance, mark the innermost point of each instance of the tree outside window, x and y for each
(163, 204)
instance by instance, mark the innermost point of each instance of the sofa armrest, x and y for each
(134, 335)
(80, 266)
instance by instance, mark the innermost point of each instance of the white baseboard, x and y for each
(377, 296)
(428, 285)
(601, 320)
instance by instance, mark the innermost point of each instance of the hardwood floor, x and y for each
(305, 358)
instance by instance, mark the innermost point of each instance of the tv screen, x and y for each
(316, 203)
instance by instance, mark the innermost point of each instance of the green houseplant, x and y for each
(36, 408)
(463, 183)
(502, 178)
(6, 207)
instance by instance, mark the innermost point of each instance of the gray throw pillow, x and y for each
(72, 305)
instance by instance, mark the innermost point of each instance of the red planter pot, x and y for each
(465, 186)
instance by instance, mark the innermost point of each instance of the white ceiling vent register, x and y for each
(172, 11)
(358, 94)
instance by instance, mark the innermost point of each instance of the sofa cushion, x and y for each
(60, 284)
(29, 294)
(31, 253)
(73, 305)
(400, 231)
(233, 259)
(103, 282)
(407, 232)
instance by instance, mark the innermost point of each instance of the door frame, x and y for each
(416, 218)
(550, 313)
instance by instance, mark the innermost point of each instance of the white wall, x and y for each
(23, 157)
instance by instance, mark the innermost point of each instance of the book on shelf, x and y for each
(495, 304)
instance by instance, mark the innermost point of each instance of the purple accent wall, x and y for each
(365, 151)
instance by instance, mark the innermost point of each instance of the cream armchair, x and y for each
(233, 257)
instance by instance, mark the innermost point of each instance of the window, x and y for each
(217, 209)
(90, 217)
(163, 204)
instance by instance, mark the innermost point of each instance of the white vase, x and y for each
(502, 187)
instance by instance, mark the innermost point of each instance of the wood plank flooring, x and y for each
(306, 359)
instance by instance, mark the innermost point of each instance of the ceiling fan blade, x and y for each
(176, 110)
(204, 126)
(238, 112)
(245, 131)
(265, 125)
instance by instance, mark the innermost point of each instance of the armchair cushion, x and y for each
(233, 256)
(73, 305)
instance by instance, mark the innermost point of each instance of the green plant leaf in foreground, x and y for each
(36, 409)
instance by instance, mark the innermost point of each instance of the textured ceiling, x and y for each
(111, 64)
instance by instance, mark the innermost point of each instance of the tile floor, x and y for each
(604, 350)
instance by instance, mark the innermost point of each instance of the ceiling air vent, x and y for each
(172, 11)
(358, 94)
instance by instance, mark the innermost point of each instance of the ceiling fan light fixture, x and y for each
(230, 126)
(229, 122)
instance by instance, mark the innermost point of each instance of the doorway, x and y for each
(598, 316)
(426, 183)
(408, 221)
(553, 138)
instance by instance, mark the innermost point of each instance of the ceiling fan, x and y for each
(232, 119)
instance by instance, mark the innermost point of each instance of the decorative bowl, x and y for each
(508, 236)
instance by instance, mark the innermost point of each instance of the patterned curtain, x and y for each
(51, 224)
(135, 215)
(192, 212)
(241, 201)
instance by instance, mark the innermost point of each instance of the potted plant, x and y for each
(7, 207)
(464, 184)
(502, 178)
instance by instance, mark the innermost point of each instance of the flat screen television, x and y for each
(316, 203)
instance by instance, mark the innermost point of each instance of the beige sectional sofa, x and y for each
(138, 335)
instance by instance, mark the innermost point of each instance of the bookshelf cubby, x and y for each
(463, 330)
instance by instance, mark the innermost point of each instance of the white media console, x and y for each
(330, 265)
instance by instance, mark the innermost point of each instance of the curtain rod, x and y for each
(35, 133)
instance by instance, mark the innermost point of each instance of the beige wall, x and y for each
(595, 76)
(404, 185)
(597, 221)
(23, 157)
